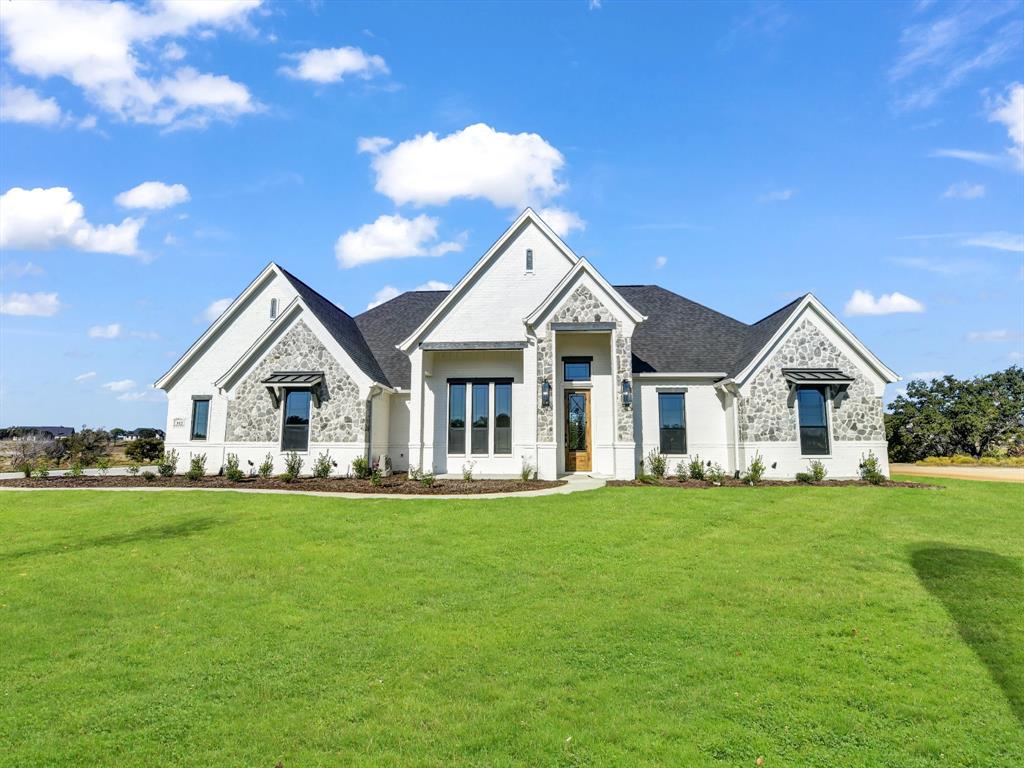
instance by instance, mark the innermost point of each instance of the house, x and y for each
(36, 434)
(143, 433)
(532, 358)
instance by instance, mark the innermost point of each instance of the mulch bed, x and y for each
(397, 484)
(672, 482)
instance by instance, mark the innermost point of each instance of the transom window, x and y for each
(295, 431)
(486, 405)
(200, 418)
(813, 413)
(576, 368)
(672, 422)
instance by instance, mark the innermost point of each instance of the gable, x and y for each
(583, 296)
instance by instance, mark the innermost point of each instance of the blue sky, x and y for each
(737, 154)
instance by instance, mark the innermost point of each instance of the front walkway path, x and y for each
(573, 484)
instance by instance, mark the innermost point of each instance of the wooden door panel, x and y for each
(577, 431)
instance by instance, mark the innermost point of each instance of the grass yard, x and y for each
(626, 626)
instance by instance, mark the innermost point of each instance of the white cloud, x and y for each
(562, 221)
(107, 49)
(172, 52)
(434, 285)
(87, 123)
(215, 310)
(1000, 334)
(86, 376)
(372, 145)
(938, 267)
(170, 239)
(153, 195)
(864, 303)
(387, 293)
(594, 5)
(23, 105)
(29, 304)
(40, 219)
(13, 269)
(510, 170)
(331, 65)
(111, 331)
(965, 190)
(777, 196)
(1009, 110)
(927, 375)
(144, 395)
(122, 385)
(391, 237)
(1000, 241)
(981, 158)
(660, 262)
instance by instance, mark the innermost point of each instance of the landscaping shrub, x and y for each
(26, 467)
(196, 467)
(527, 472)
(361, 467)
(133, 468)
(75, 470)
(657, 463)
(427, 479)
(804, 477)
(755, 472)
(697, 468)
(715, 474)
(103, 465)
(42, 468)
(376, 478)
(869, 470)
(266, 467)
(323, 464)
(167, 464)
(292, 466)
(144, 449)
(818, 471)
(231, 469)
(149, 475)
(467, 471)
(682, 471)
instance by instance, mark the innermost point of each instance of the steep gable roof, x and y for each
(384, 326)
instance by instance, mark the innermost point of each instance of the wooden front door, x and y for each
(577, 430)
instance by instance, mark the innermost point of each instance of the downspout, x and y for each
(730, 387)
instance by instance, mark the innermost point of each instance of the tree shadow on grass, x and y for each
(179, 530)
(984, 594)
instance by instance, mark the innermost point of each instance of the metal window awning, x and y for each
(816, 376)
(279, 381)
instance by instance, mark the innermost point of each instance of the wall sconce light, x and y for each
(545, 394)
(627, 393)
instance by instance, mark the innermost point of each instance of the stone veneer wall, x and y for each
(583, 306)
(341, 417)
(768, 413)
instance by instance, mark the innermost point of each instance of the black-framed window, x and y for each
(576, 368)
(295, 430)
(503, 419)
(813, 412)
(456, 418)
(200, 418)
(672, 422)
(273, 308)
(481, 418)
(529, 259)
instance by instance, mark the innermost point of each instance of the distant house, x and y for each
(532, 359)
(39, 434)
(143, 432)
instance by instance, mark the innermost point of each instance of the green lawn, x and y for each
(628, 626)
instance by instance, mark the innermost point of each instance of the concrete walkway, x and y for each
(574, 483)
(961, 472)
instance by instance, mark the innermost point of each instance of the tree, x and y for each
(144, 449)
(950, 415)
(117, 434)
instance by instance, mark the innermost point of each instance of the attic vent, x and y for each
(529, 259)
(273, 308)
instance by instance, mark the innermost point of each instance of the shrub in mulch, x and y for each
(399, 484)
(730, 482)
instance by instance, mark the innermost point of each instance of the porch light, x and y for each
(627, 393)
(545, 394)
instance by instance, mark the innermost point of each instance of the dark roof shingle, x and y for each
(389, 323)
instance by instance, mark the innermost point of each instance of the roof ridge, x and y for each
(780, 309)
(311, 289)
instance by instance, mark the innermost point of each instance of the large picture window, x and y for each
(503, 419)
(813, 421)
(200, 418)
(481, 420)
(456, 418)
(295, 432)
(672, 422)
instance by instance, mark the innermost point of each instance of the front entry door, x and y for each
(577, 430)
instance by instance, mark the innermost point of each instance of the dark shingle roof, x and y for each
(386, 325)
(341, 326)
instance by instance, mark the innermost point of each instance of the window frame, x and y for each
(474, 430)
(570, 360)
(273, 309)
(826, 406)
(448, 447)
(284, 417)
(491, 383)
(529, 260)
(662, 429)
(494, 418)
(196, 399)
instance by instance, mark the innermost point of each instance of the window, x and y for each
(456, 418)
(813, 421)
(200, 418)
(576, 368)
(503, 419)
(295, 432)
(273, 308)
(529, 259)
(481, 398)
(672, 422)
